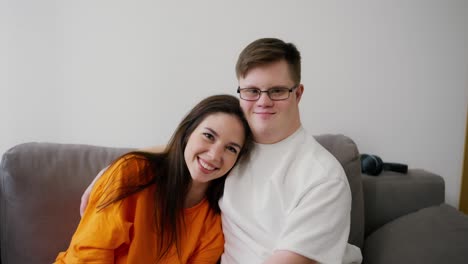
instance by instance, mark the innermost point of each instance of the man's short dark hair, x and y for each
(269, 50)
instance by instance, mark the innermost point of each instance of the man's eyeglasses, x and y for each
(275, 93)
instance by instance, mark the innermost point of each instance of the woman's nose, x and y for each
(216, 152)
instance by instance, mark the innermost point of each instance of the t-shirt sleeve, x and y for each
(211, 244)
(101, 232)
(318, 227)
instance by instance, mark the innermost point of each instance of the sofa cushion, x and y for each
(41, 188)
(435, 234)
(346, 152)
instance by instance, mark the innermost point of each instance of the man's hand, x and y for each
(155, 149)
(288, 257)
(87, 193)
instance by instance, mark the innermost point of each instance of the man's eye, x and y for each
(276, 91)
(252, 91)
(208, 136)
(232, 149)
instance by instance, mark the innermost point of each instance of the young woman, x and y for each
(163, 207)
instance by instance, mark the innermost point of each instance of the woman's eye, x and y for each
(232, 149)
(208, 136)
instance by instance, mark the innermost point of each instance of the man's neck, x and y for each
(272, 138)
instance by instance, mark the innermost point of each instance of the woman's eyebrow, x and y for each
(212, 131)
(216, 135)
(236, 145)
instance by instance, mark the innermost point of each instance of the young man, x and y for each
(291, 202)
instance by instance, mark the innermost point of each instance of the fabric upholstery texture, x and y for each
(437, 234)
(391, 195)
(41, 188)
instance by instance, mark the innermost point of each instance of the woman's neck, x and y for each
(196, 194)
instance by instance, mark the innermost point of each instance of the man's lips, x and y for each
(264, 113)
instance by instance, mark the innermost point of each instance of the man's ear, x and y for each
(299, 91)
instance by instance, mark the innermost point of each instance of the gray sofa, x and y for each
(395, 218)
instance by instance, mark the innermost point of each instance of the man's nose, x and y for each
(264, 99)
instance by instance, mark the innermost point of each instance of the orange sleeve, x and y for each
(101, 232)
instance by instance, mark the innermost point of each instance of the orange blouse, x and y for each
(123, 232)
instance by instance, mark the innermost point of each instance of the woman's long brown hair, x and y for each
(169, 172)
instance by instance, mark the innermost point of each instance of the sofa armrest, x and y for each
(391, 195)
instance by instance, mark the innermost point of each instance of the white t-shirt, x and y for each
(292, 195)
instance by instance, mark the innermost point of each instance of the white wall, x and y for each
(392, 75)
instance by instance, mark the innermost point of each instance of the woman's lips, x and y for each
(205, 167)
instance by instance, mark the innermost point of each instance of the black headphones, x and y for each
(373, 165)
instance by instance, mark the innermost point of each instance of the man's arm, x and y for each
(318, 226)
(156, 149)
(288, 257)
(87, 192)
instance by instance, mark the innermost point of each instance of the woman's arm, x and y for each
(100, 232)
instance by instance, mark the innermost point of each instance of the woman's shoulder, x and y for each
(128, 171)
(130, 167)
(132, 160)
(129, 174)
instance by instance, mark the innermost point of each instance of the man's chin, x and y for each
(262, 133)
(264, 117)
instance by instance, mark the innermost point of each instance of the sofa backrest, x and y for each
(346, 152)
(41, 187)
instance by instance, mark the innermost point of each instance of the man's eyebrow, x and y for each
(268, 88)
(216, 134)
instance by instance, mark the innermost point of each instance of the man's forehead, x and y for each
(268, 75)
(265, 83)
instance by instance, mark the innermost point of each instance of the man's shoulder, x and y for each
(309, 148)
(312, 157)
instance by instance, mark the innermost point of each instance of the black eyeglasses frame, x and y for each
(290, 90)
